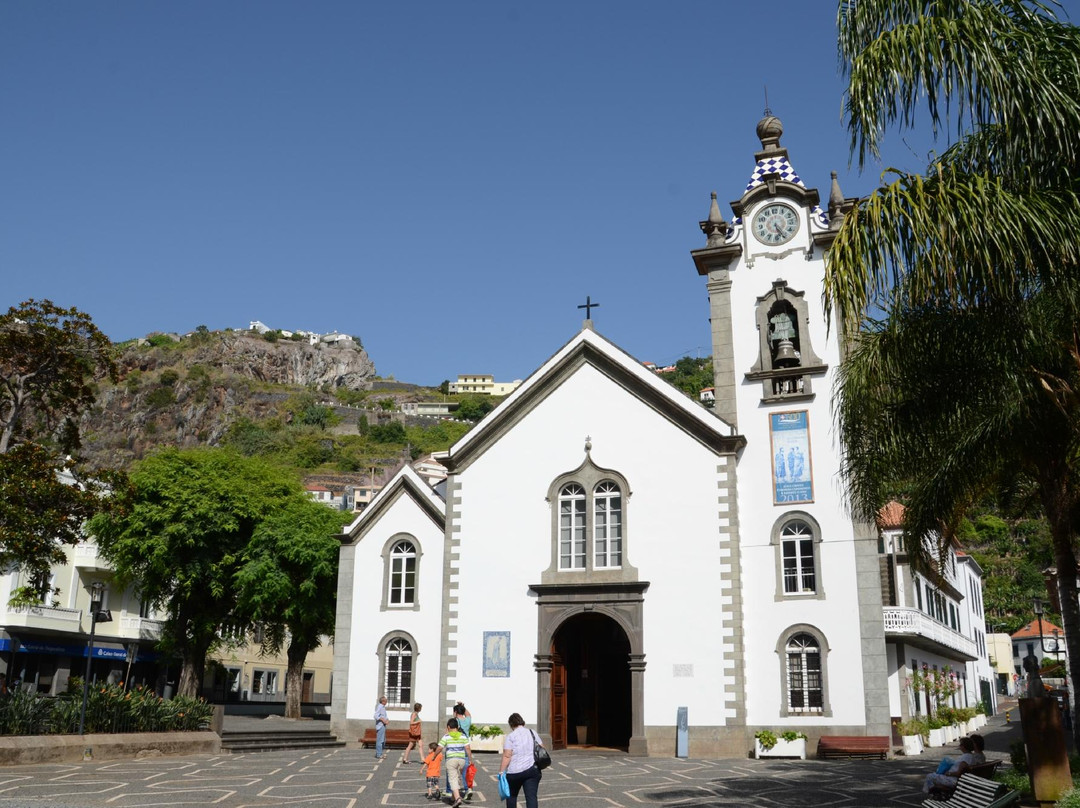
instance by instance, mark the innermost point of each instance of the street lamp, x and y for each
(97, 615)
(1037, 605)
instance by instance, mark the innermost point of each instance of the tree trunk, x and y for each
(192, 668)
(1056, 505)
(294, 679)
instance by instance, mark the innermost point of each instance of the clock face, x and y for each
(775, 224)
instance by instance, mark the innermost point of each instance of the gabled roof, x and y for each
(891, 517)
(1031, 630)
(589, 348)
(406, 483)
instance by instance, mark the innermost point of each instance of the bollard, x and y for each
(1008, 718)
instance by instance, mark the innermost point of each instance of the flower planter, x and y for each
(782, 748)
(912, 744)
(936, 737)
(492, 744)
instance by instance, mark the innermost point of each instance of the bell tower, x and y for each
(807, 570)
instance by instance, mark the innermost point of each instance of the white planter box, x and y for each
(912, 744)
(493, 744)
(788, 749)
(936, 737)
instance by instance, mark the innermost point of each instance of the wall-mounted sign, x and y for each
(789, 439)
(497, 654)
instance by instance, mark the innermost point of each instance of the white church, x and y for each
(605, 551)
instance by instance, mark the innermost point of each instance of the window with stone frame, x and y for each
(401, 556)
(589, 526)
(402, 574)
(803, 672)
(796, 537)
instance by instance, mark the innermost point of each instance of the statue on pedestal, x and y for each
(1035, 689)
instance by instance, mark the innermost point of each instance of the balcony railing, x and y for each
(88, 557)
(916, 624)
(43, 617)
(140, 628)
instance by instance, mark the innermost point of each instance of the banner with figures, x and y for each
(789, 438)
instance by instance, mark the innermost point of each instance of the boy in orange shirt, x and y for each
(433, 761)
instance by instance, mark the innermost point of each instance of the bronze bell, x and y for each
(786, 357)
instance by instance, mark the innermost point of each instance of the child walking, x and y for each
(433, 762)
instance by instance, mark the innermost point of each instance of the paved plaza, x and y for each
(352, 778)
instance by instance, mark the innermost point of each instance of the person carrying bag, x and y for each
(523, 754)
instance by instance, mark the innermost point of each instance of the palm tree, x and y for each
(973, 370)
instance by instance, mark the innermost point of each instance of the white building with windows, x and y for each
(606, 551)
(934, 625)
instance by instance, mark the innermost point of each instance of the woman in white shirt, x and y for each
(518, 762)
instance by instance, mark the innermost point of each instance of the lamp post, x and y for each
(97, 614)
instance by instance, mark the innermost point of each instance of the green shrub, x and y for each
(1018, 756)
(169, 377)
(766, 738)
(160, 397)
(1070, 799)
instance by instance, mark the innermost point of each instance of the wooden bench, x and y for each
(860, 746)
(984, 770)
(397, 738)
(973, 791)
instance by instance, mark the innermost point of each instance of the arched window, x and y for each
(572, 527)
(803, 672)
(402, 574)
(398, 672)
(589, 518)
(797, 538)
(797, 548)
(607, 525)
(804, 675)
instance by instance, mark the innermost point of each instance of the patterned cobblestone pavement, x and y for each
(352, 778)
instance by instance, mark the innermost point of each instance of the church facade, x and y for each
(606, 551)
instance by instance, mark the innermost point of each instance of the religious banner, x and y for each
(789, 437)
(497, 654)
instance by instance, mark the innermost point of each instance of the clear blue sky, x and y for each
(446, 180)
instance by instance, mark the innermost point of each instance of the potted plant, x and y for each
(789, 743)
(486, 738)
(911, 732)
(935, 732)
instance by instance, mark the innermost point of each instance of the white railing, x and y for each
(140, 627)
(899, 620)
(87, 555)
(42, 616)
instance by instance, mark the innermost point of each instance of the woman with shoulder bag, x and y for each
(519, 763)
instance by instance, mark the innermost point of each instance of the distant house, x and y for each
(707, 395)
(336, 338)
(436, 408)
(259, 327)
(1049, 642)
(320, 493)
(483, 384)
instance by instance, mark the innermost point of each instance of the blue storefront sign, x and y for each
(33, 646)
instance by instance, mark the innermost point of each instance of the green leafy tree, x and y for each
(288, 582)
(49, 359)
(973, 374)
(179, 534)
(475, 407)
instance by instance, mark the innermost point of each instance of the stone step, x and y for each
(275, 741)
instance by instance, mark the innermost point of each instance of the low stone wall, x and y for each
(22, 749)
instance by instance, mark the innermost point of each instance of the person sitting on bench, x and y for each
(947, 780)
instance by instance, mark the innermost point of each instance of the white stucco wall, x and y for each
(371, 622)
(671, 519)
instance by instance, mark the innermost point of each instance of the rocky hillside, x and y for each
(190, 392)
